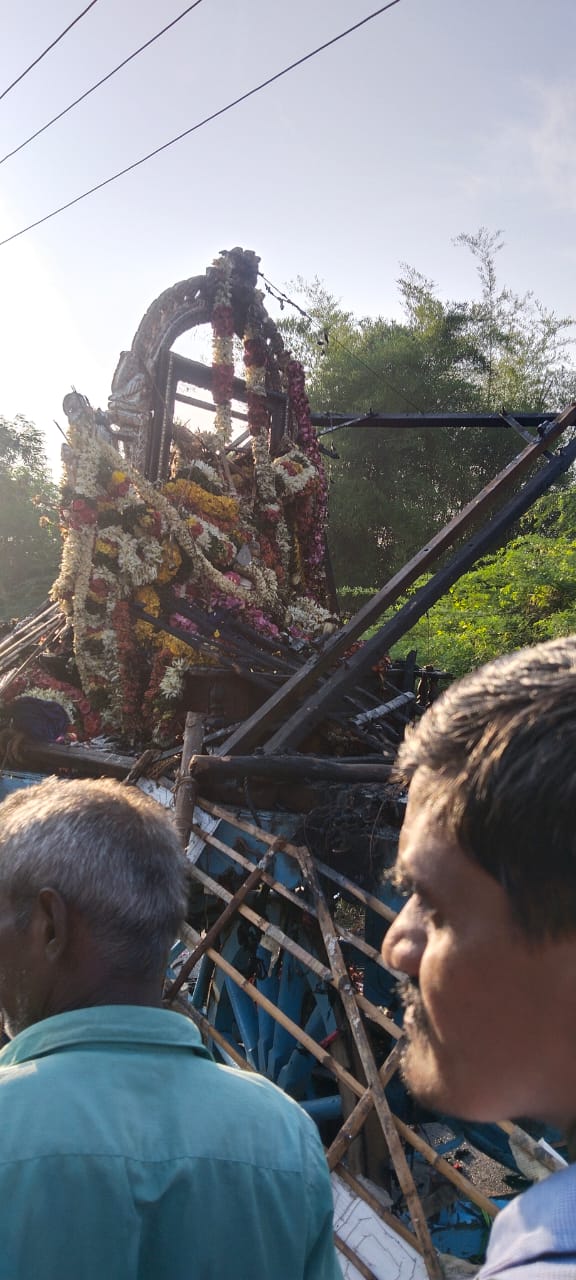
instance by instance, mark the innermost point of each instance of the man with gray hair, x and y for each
(126, 1153)
(487, 939)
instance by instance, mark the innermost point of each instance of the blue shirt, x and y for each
(534, 1238)
(126, 1153)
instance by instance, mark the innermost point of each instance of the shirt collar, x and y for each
(118, 1024)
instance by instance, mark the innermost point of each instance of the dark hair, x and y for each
(111, 852)
(501, 748)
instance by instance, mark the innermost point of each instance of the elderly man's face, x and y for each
(489, 1016)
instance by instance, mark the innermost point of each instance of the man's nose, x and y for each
(404, 943)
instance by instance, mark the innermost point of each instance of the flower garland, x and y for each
(193, 497)
(312, 513)
(223, 350)
(85, 721)
(268, 510)
(295, 473)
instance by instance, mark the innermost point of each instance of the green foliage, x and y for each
(523, 594)
(351, 599)
(391, 490)
(29, 537)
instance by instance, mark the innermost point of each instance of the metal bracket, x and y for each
(526, 434)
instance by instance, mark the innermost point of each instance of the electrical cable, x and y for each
(47, 50)
(207, 120)
(93, 87)
(281, 297)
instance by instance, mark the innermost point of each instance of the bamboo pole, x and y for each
(211, 1033)
(296, 901)
(433, 1158)
(299, 1035)
(352, 1257)
(215, 930)
(355, 1121)
(368, 899)
(438, 1162)
(530, 1147)
(276, 935)
(185, 789)
(360, 1037)
(191, 937)
(364, 1194)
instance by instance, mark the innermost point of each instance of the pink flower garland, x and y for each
(312, 512)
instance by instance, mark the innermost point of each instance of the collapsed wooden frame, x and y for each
(370, 1093)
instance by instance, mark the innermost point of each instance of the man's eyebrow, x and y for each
(402, 878)
(409, 882)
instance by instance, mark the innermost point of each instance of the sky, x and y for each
(437, 117)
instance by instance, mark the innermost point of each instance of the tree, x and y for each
(390, 490)
(29, 537)
(521, 595)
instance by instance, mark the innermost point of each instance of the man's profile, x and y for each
(487, 939)
(126, 1153)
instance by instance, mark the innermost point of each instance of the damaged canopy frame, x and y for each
(360, 1096)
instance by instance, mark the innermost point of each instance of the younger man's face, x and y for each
(489, 1015)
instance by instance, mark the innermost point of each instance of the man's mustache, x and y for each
(411, 999)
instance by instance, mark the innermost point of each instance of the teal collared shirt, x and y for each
(126, 1153)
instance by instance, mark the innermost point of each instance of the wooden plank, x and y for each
(384, 709)
(256, 727)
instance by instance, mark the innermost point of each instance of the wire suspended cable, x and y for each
(93, 87)
(47, 50)
(243, 97)
(329, 336)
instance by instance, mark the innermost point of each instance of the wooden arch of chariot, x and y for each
(145, 387)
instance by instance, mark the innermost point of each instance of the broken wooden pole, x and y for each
(185, 786)
(363, 1193)
(360, 1037)
(278, 938)
(288, 768)
(361, 1267)
(349, 886)
(215, 930)
(355, 1121)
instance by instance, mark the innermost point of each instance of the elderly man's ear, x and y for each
(50, 924)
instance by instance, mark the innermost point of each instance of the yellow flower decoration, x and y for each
(144, 631)
(170, 563)
(148, 598)
(106, 548)
(218, 507)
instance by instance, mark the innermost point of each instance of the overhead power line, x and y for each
(93, 87)
(47, 50)
(328, 336)
(200, 124)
